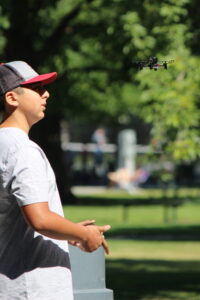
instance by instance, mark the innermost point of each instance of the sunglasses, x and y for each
(37, 87)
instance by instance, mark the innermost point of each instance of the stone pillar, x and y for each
(127, 150)
(88, 275)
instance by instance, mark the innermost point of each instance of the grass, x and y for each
(143, 279)
(162, 250)
(156, 270)
(147, 261)
(187, 214)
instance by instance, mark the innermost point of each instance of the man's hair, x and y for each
(2, 108)
(18, 90)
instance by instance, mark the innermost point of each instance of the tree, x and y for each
(170, 100)
(92, 45)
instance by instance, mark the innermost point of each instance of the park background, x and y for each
(92, 44)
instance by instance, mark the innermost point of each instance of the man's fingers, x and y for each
(87, 222)
(104, 228)
(73, 243)
(105, 246)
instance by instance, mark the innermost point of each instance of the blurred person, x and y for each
(100, 168)
(34, 257)
(99, 138)
(126, 180)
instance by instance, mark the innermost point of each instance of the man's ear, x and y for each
(11, 99)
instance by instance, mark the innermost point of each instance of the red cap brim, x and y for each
(44, 79)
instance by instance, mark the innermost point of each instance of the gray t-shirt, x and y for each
(32, 266)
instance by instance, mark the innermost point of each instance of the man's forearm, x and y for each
(52, 225)
(57, 227)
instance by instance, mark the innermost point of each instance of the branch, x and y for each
(60, 30)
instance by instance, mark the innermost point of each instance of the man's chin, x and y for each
(39, 118)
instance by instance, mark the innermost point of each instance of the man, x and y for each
(34, 259)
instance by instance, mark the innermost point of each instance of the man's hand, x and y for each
(95, 238)
(84, 223)
(95, 232)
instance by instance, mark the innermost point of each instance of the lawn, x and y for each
(155, 279)
(188, 214)
(162, 250)
(150, 259)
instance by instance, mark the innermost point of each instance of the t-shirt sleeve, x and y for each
(30, 179)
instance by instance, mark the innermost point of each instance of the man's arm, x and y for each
(50, 224)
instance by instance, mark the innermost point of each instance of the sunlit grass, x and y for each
(165, 250)
(154, 215)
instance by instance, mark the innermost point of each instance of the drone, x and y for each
(152, 63)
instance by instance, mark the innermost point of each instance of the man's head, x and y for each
(22, 93)
(16, 74)
(19, 73)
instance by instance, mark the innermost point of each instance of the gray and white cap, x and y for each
(19, 73)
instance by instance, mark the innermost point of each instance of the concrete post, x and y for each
(127, 150)
(126, 158)
(88, 275)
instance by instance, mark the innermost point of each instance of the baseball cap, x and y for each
(19, 73)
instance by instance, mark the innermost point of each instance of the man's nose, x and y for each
(46, 94)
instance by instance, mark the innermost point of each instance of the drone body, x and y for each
(152, 63)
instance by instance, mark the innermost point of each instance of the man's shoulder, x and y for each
(14, 142)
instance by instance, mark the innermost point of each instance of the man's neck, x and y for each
(11, 121)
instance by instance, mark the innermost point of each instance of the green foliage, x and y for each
(4, 24)
(170, 102)
(93, 43)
